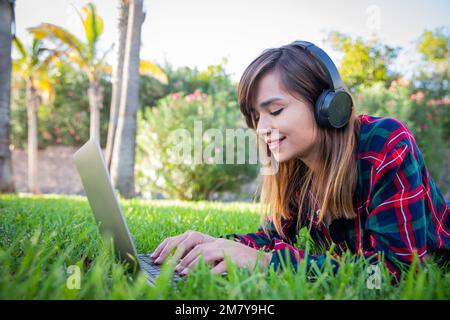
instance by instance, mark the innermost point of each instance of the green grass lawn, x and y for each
(40, 237)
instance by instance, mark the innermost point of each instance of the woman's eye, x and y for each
(275, 113)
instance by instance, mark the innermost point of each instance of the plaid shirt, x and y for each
(400, 210)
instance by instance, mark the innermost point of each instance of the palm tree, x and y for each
(84, 54)
(145, 68)
(88, 58)
(117, 78)
(6, 21)
(122, 164)
(33, 67)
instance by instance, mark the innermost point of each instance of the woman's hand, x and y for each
(183, 242)
(243, 256)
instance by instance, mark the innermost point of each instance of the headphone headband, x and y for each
(325, 61)
(333, 107)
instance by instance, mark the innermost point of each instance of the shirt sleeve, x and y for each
(284, 253)
(396, 219)
(257, 240)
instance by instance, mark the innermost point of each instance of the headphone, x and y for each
(334, 106)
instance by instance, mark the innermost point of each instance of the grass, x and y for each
(41, 236)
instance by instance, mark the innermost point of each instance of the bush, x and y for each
(157, 168)
(421, 115)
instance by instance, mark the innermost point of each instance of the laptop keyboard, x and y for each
(152, 269)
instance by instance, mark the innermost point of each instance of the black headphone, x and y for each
(334, 106)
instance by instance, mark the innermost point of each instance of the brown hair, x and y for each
(295, 188)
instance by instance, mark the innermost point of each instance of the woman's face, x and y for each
(290, 120)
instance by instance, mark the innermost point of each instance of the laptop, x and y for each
(106, 208)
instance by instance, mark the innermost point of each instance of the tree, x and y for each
(117, 78)
(85, 55)
(33, 67)
(123, 158)
(364, 62)
(432, 71)
(6, 21)
(146, 69)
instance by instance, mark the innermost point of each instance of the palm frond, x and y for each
(93, 24)
(19, 46)
(59, 34)
(149, 68)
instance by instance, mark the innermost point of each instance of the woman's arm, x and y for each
(259, 239)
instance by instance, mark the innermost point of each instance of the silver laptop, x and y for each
(108, 212)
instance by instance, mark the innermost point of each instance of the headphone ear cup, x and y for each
(321, 109)
(333, 109)
(339, 109)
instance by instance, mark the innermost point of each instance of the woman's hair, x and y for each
(295, 191)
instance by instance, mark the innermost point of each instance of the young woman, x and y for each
(360, 182)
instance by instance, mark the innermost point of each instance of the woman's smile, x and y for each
(275, 143)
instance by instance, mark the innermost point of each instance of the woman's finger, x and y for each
(191, 266)
(159, 248)
(210, 254)
(220, 268)
(168, 247)
(187, 245)
(192, 255)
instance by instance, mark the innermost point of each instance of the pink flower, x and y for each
(403, 82)
(77, 138)
(190, 98)
(420, 95)
(58, 131)
(394, 83)
(197, 92)
(176, 96)
(58, 140)
(413, 97)
(390, 103)
(210, 160)
(46, 135)
(71, 131)
(430, 103)
(360, 97)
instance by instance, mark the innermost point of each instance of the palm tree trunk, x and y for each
(6, 174)
(95, 96)
(117, 79)
(32, 105)
(122, 164)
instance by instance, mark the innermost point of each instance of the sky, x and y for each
(198, 33)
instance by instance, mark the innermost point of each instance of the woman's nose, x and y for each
(264, 127)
